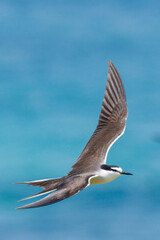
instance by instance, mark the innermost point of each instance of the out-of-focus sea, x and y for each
(53, 68)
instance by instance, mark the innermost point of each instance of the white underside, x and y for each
(105, 159)
(103, 176)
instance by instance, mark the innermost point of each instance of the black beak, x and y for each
(126, 173)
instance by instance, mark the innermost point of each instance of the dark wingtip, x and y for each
(19, 183)
(19, 208)
(40, 203)
(27, 206)
(109, 63)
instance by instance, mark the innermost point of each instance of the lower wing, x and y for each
(68, 188)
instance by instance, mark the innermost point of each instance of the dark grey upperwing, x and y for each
(114, 106)
(68, 188)
(111, 125)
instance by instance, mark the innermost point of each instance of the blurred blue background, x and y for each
(53, 69)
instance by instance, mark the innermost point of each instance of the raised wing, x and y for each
(114, 107)
(111, 124)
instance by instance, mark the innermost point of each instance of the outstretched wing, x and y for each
(114, 106)
(68, 188)
(111, 125)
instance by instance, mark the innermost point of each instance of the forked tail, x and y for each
(69, 187)
(49, 185)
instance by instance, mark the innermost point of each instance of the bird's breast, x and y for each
(103, 178)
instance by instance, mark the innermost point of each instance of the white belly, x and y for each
(103, 177)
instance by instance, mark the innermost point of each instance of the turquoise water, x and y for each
(53, 68)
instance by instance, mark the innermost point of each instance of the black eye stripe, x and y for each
(109, 167)
(105, 167)
(114, 170)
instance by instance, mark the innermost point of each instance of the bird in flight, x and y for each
(91, 168)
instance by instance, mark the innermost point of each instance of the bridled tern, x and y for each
(91, 168)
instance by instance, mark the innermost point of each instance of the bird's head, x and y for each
(115, 169)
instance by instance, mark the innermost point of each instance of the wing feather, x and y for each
(111, 124)
(114, 106)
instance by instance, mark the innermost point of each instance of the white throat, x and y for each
(103, 176)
